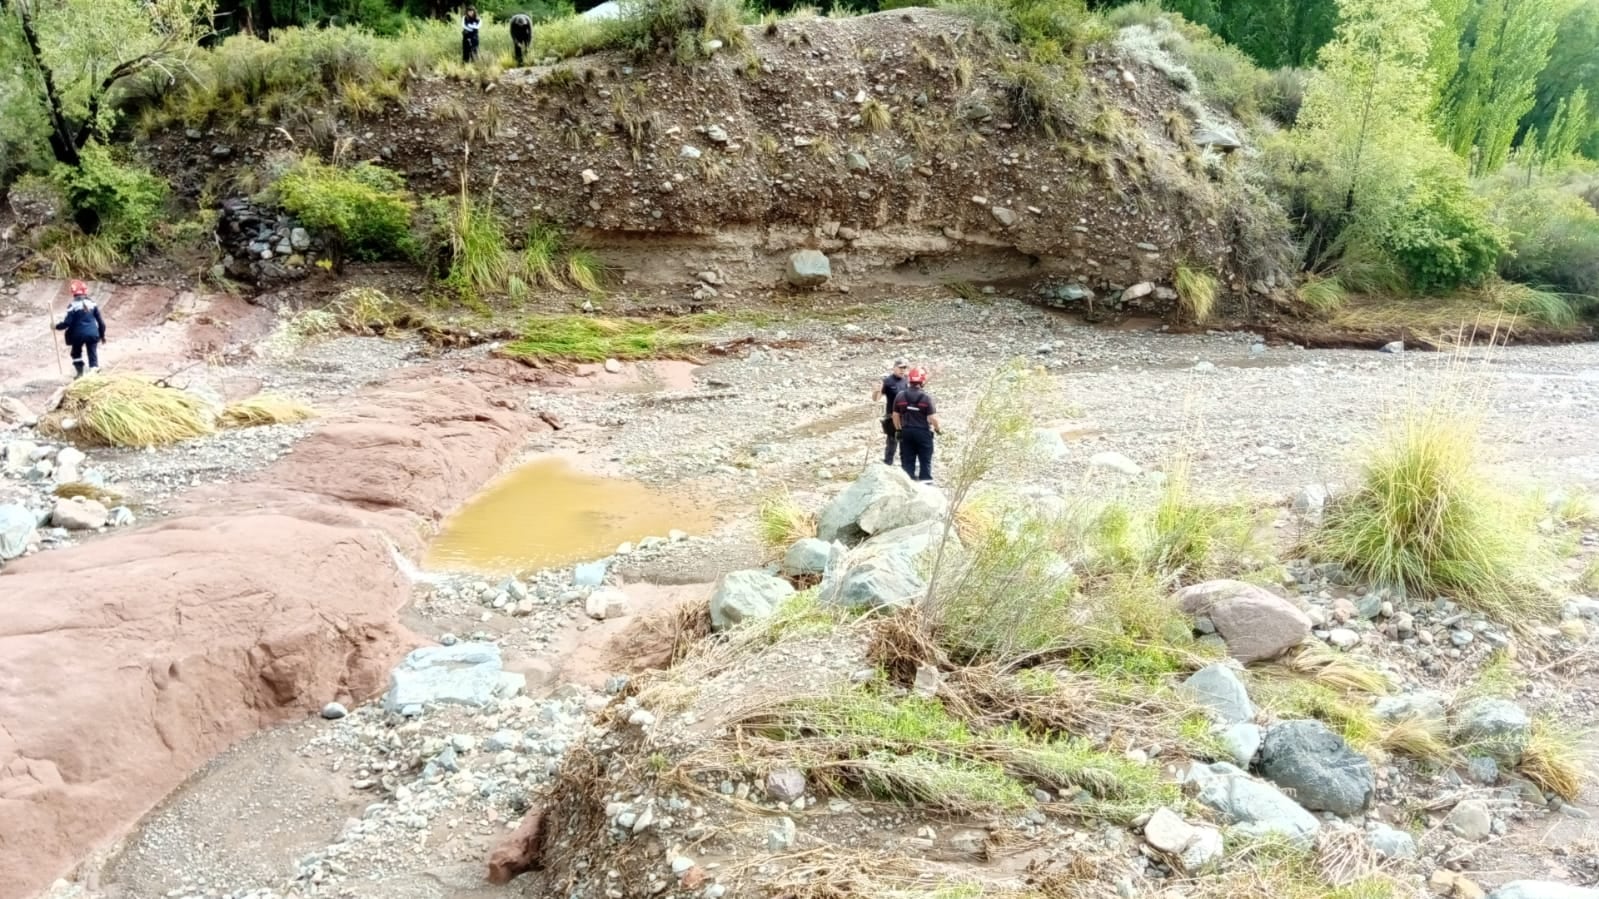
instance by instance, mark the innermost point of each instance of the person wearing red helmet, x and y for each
(85, 328)
(916, 419)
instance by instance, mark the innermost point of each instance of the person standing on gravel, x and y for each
(469, 28)
(916, 418)
(85, 329)
(521, 35)
(889, 389)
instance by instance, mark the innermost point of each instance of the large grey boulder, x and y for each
(807, 558)
(883, 498)
(1317, 768)
(1542, 889)
(808, 268)
(465, 674)
(1217, 688)
(887, 571)
(1257, 809)
(16, 530)
(1495, 727)
(1255, 623)
(747, 596)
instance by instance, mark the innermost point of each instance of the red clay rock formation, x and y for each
(521, 852)
(128, 662)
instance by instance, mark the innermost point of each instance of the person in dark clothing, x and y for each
(85, 328)
(469, 28)
(892, 384)
(916, 419)
(521, 35)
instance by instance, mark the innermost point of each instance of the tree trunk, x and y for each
(64, 143)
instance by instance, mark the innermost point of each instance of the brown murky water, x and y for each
(546, 513)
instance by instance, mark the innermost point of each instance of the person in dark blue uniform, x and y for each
(916, 419)
(85, 329)
(889, 389)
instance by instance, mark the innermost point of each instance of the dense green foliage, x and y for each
(364, 209)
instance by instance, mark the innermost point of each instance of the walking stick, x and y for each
(50, 321)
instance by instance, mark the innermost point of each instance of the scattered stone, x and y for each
(855, 162)
(14, 413)
(1318, 768)
(1168, 832)
(716, 134)
(746, 596)
(1050, 444)
(1482, 769)
(928, 680)
(1217, 688)
(606, 603)
(333, 711)
(807, 558)
(1542, 889)
(785, 785)
(1255, 624)
(588, 176)
(590, 574)
(808, 268)
(1497, 726)
(1397, 346)
(1311, 500)
(1004, 216)
(1470, 820)
(1257, 808)
(1423, 705)
(781, 838)
(17, 530)
(1242, 741)
(612, 366)
(1138, 291)
(466, 673)
(1343, 638)
(79, 514)
(1390, 842)
(1115, 462)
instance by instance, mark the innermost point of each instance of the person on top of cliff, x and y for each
(521, 35)
(469, 28)
(916, 419)
(85, 328)
(888, 389)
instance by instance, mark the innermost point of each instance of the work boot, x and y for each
(77, 367)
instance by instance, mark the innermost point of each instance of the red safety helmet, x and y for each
(79, 289)
(918, 375)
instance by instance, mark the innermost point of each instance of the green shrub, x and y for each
(1551, 229)
(480, 259)
(363, 210)
(117, 202)
(1440, 233)
(679, 28)
(1426, 518)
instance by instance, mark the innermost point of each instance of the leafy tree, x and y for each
(73, 55)
(1573, 64)
(1506, 45)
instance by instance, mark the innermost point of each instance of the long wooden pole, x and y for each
(50, 322)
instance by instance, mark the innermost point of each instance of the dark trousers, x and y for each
(916, 454)
(519, 48)
(890, 440)
(78, 346)
(468, 46)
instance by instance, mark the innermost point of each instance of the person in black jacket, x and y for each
(85, 328)
(521, 35)
(916, 419)
(470, 23)
(888, 389)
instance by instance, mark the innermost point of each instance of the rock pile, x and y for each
(263, 246)
(48, 492)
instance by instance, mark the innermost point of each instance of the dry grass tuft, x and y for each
(782, 521)
(1318, 662)
(127, 410)
(1421, 738)
(1558, 761)
(1196, 293)
(265, 409)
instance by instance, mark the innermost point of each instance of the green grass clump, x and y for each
(364, 210)
(782, 521)
(1351, 718)
(579, 338)
(480, 260)
(1426, 518)
(1323, 295)
(1121, 789)
(264, 409)
(1196, 293)
(942, 782)
(125, 410)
